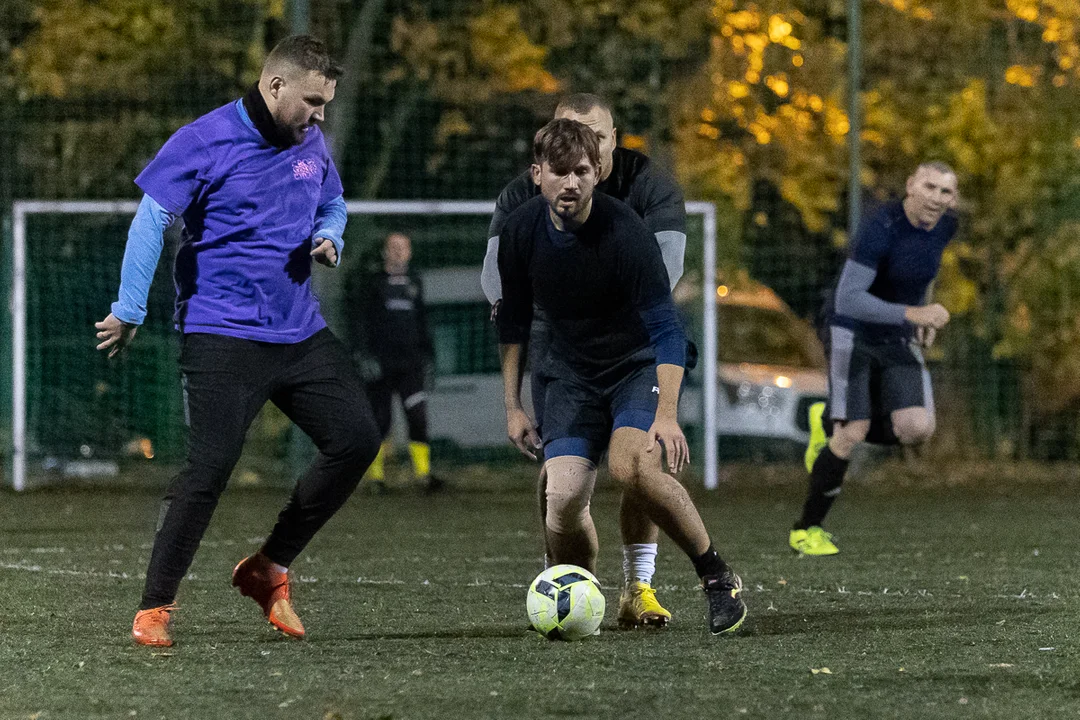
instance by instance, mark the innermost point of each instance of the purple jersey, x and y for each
(243, 268)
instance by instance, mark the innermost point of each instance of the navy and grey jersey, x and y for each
(602, 288)
(891, 266)
(634, 180)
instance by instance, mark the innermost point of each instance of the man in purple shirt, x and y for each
(260, 199)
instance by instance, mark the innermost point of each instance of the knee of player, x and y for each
(914, 429)
(358, 444)
(623, 467)
(847, 435)
(570, 483)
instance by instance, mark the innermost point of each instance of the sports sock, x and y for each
(639, 562)
(709, 563)
(377, 472)
(421, 458)
(825, 481)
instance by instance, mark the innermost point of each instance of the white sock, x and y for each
(639, 562)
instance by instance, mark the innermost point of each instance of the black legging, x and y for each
(226, 382)
(407, 384)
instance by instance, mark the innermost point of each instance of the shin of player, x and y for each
(880, 319)
(614, 364)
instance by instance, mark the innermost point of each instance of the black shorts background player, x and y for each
(878, 320)
(629, 176)
(615, 360)
(389, 337)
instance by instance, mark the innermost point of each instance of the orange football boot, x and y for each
(257, 579)
(151, 627)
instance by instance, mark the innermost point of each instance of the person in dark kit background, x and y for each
(393, 347)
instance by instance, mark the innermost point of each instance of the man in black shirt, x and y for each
(614, 363)
(878, 318)
(629, 176)
(391, 339)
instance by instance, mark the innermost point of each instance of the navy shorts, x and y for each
(580, 415)
(872, 380)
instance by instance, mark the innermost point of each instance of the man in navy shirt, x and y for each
(878, 318)
(614, 363)
(260, 199)
(631, 177)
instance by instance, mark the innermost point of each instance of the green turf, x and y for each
(948, 601)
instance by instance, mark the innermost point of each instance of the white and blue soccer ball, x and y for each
(565, 603)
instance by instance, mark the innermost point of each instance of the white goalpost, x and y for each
(23, 209)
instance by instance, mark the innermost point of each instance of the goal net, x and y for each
(77, 414)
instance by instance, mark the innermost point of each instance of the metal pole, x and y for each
(854, 58)
(18, 349)
(712, 479)
(300, 16)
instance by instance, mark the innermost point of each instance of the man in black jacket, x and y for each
(393, 347)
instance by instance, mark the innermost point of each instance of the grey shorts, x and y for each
(868, 380)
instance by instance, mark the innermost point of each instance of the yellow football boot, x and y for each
(638, 607)
(812, 541)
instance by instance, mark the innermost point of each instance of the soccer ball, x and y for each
(565, 603)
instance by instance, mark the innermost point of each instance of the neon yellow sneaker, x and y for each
(638, 607)
(812, 541)
(818, 438)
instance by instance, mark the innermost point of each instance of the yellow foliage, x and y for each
(744, 19)
(1021, 75)
(778, 84)
(778, 29)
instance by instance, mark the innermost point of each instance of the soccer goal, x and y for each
(72, 409)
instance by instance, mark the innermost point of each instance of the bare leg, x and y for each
(634, 522)
(569, 530)
(541, 498)
(664, 499)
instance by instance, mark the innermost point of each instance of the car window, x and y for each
(764, 337)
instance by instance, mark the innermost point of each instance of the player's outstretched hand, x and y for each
(325, 254)
(934, 316)
(667, 433)
(522, 433)
(114, 334)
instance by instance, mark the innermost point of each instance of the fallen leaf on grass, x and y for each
(821, 671)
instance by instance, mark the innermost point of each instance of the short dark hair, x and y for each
(937, 166)
(306, 53)
(582, 104)
(563, 142)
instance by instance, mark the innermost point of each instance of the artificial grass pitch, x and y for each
(945, 602)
